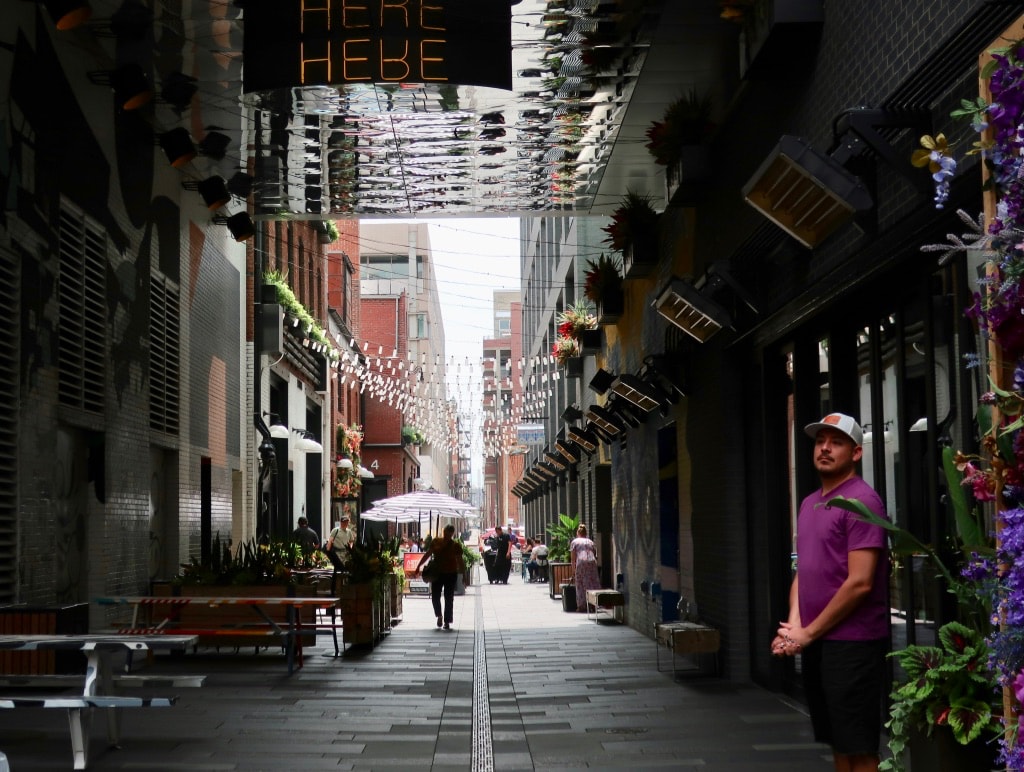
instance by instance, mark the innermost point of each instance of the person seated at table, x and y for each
(538, 562)
(305, 537)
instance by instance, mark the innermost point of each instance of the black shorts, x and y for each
(845, 681)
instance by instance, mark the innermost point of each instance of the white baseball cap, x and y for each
(841, 423)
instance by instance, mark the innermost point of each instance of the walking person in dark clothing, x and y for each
(450, 563)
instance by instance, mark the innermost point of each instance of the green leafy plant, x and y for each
(471, 557)
(947, 685)
(412, 436)
(560, 534)
(252, 563)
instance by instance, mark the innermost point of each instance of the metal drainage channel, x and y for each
(483, 741)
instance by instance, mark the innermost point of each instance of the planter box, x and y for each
(590, 341)
(558, 574)
(363, 607)
(640, 259)
(574, 367)
(610, 307)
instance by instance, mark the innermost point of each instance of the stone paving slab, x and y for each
(564, 693)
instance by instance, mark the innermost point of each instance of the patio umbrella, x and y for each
(420, 502)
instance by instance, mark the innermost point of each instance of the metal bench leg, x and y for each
(79, 720)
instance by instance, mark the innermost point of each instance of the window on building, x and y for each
(420, 326)
(387, 267)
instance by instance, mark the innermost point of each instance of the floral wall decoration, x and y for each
(347, 482)
(572, 323)
(996, 475)
(635, 218)
(603, 276)
(687, 121)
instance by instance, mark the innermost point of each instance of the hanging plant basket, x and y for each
(640, 256)
(590, 341)
(611, 306)
(574, 367)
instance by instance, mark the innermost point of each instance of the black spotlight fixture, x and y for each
(602, 381)
(240, 184)
(214, 144)
(68, 14)
(129, 83)
(177, 90)
(241, 226)
(178, 147)
(214, 191)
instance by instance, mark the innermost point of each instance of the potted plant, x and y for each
(947, 698)
(679, 140)
(560, 534)
(945, 694)
(412, 436)
(633, 232)
(565, 348)
(575, 320)
(603, 285)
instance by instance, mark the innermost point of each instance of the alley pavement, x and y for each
(517, 684)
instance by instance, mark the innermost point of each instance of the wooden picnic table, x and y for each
(170, 604)
(97, 683)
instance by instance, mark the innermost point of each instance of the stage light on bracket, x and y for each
(601, 381)
(129, 83)
(240, 225)
(177, 90)
(214, 191)
(68, 14)
(214, 145)
(572, 414)
(177, 146)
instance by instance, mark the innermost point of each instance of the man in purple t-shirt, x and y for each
(838, 602)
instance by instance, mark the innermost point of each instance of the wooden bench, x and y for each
(686, 638)
(96, 684)
(605, 599)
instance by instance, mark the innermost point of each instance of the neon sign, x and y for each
(291, 43)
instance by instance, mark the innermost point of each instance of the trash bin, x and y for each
(568, 597)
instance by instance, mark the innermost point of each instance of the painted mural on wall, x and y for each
(69, 153)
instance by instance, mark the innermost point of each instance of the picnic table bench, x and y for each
(168, 606)
(98, 681)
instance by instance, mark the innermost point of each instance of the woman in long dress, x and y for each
(583, 556)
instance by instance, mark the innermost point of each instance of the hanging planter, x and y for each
(633, 231)
(590, 341)
(574, 367)
(611, 306)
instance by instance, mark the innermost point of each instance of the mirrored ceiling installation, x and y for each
(437, 148)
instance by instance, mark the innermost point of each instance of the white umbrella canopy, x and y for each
(428, 502)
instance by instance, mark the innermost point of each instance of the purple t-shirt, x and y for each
(825, 536)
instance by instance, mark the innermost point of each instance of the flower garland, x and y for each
(347, 482)
(998, 475)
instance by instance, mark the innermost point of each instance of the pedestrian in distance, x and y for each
(306, 537)
(339, 544)
(839, 602)
(583, 556)
(450, 563)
